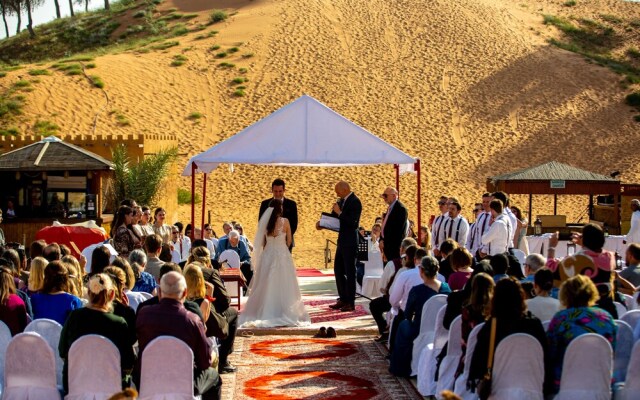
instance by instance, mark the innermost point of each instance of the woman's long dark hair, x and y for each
(119, 219)
(277, 212)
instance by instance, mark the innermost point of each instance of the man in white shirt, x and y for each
(483, 223)
(472, 238)
(502, 196)
(181, 244)
(456, 227)
(437, 227)
(496, 239)
(633, 236)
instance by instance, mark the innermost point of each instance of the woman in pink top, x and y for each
(12, 309)
(461, 261)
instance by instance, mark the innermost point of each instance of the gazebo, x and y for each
(555, 178)
(50, 180)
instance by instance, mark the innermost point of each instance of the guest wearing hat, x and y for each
(633, 236)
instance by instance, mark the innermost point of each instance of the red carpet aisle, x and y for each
(301, 367)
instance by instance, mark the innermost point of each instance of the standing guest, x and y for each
(135, 223)
(472, 237)
(476, 310)
(543, 305)
(633, 236)
(210, 238)
(289, 207)
(520, 231)
(511, 315)
(437, 228)
(145, 221)
(456, 227)
(170, 318)
(144, 281)
(2, 239)
(394, 224)
(578, 296)
(181, 244)
(96, 319)
(409, 329)
(54, 300)
(36, 275)
(12, 309)
(159, 227)
(497, 239)
(124, 240)
(482, 225)
(461, 261)
(513, 221)
(632, 260)
(347, 209)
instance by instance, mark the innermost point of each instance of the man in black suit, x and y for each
(347, 210)
(394, 224)
(289, 207)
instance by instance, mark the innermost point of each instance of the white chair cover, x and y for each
(629, 302)
(631, 317)
(461, 383)
(94, 369)
(586, 369)
(449, 365)
(231, 257)
(158, 382)
(373, 269)
(135, 298)
(620, 308)
(631, 389)
(5, 338)
(427, 328)
(518, 369)
(519, 254)
(545, 324)
(427, 363)
(622, 354)
(29, 369)
(50, 331)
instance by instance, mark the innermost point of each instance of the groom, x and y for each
(348, 210)
(289, 207)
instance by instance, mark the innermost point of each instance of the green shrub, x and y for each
(195, 115)
(214, 47)
(218, 16)
(76, 59)
(45, 128)
(179, 30)
(36, 72)
(633, 99)
(184, 196)
(22, 84)
(226, 65)
(165, 45)
(11, 105)
(2, 74)
(247, 55)
(221, 55)
(140, 14)
(633, 53)
(611, 18)
(96, 81)
(242, 70)
(569, 3)
(238, 80)
(239, 93)
(190, 16)
(233, 50)
(9, 132)
(178, 60)
(122, 120)
(90, 66)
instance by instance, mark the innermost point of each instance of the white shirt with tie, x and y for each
(437, 230)
(496, 239)
(480, 228)
(457, 229)
(514, 223)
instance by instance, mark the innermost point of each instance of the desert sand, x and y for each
(470, 86)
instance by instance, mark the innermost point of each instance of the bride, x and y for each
(274, 295)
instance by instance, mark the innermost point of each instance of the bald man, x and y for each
(347, 209)
(394, 224)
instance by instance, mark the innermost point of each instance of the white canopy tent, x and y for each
(302, 133)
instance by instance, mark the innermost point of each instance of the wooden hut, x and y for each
(555, 178)
(50, 180)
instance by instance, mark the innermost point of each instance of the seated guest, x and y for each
(96, 319)
(399, 291)
(457, 300)
(36, 248)
(409, 329)
(578, 295)
(76, 276)
(232, 241)
(197, 291)
(243, 237)
(8, 264)
(153, 247)
(460, 260)
(52, 252)
(210, 238)
(425, 238)
(36, 275)
(500, 266)
(12, 309)
(121, 301)
(543, 305)
(446, 248)
(100, 259)
(166, 254)
(532, 264)
(632, 258)
(54, 300)
(170, 318)
(181, 243)
(476, 310)
(13, 256)
(144, 281)
(511, 315)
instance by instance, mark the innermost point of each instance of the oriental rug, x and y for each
(279, 367)
(312, 273)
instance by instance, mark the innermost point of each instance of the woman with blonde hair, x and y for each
(197, 290)
(36, 274)
(96, 318)
(121, 301)
(75, 276)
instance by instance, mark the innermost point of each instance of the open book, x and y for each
(330, 221)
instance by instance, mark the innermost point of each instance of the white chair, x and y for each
(427, 327)
(5, 338)
(545, 324)
(29, 369)
(135, 298)
(518, 369)
(427, 363)
(50, 331)
(620, 309)
(631, 317)
(460, 387)
(629, 302)
(449, 365)
(372, 273)
(622, 354)
(158, 382)
(519, 254)
(87, 381)
(630, 390)
(586, 369)
(230, 257)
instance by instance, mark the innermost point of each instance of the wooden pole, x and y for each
(530, 208)
(204, 204)
(193, 199)
(555, 204)
(418, 211)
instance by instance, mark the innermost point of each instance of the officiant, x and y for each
(289, 207)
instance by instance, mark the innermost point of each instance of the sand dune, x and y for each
(470, 87)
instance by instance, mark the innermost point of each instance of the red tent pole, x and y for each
(193, 198)
(204, 202)
(417, 168)
(397, 168)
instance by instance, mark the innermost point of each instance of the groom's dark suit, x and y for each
(289, 211)
(344, 266)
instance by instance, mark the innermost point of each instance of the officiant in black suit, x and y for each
(394, 224)
(289, 207)
(347, 210)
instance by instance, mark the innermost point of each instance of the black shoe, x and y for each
(227, 369)
(382, 338)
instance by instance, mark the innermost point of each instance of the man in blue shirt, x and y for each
(232, 241)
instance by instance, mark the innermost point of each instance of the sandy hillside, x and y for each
(470, 87)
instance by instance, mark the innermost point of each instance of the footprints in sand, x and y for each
(514, 113)
(457, 127)
(447, 75)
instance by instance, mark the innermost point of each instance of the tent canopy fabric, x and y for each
(303, 133)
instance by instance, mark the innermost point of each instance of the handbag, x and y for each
(484, 386)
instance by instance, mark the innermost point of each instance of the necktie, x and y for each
(450, 221)
(439, 222)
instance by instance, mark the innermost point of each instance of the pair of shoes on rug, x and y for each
(382, 338)
(325, 333)
(227, 368)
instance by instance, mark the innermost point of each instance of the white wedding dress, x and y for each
(274, 294)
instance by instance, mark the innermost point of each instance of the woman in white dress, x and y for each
(274, 294)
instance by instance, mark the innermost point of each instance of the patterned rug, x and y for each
(312, 273)
(301, 367)
(319, 311)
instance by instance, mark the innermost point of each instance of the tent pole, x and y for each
(419, 219)
(204, 202)
(555, 204)
(530, 208)
(397, 168)
(193, 198)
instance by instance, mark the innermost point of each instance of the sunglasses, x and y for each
(384, 195)
(441, 203)
(208, 229)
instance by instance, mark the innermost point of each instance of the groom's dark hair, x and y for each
(278, 182)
